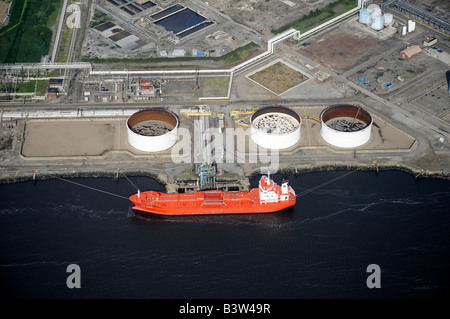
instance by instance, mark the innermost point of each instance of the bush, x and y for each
(27, 37)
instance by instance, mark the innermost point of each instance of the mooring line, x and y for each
(323, 184)
(89, 187)
(137, 188)
(123, 197)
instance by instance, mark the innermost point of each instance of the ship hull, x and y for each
(181, 204)
(267, 198)
(261, 208)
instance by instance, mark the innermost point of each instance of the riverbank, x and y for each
(286, 170)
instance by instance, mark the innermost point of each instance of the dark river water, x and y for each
(320, 248)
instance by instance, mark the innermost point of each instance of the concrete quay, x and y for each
(98, 146)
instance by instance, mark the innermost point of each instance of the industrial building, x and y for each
(144, 88)
(52, 93)
(411, 51)
(55, 83)
(429, 41)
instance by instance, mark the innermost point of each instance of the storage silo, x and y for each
(388, 18)
(404, 30)
(374, 8)
(377, 21)
(410, 25)
(364, 16)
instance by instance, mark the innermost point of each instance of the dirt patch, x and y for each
(340, 51)
(278, 77)
(266, 15)
(67, 138)
(6, 141)
(4, 5)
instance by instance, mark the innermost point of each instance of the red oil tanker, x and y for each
(268, 197)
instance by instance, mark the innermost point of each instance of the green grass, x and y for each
(15, 19)
(28, 87)
(99, 18)
(278, 77)
(28, 34)
(229, 58)
(215, 86)
(64, 46)
(317, 17)
(53, 16)
(238, 54)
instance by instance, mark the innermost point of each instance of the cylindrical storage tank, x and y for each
(345, 125)
(374, 8)
(275, 127)
(388, 18)
(377, 22)
(152, 130)
(403, 30)
(410, 25)
(364, 16)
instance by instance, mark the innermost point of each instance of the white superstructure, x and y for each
(270, 192)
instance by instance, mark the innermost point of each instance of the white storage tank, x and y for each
(152, 130)
(411, 25)
(377, 21)
(364, 16)
(388, 18)
(345, 125)
(374, 8)
(275, 127)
